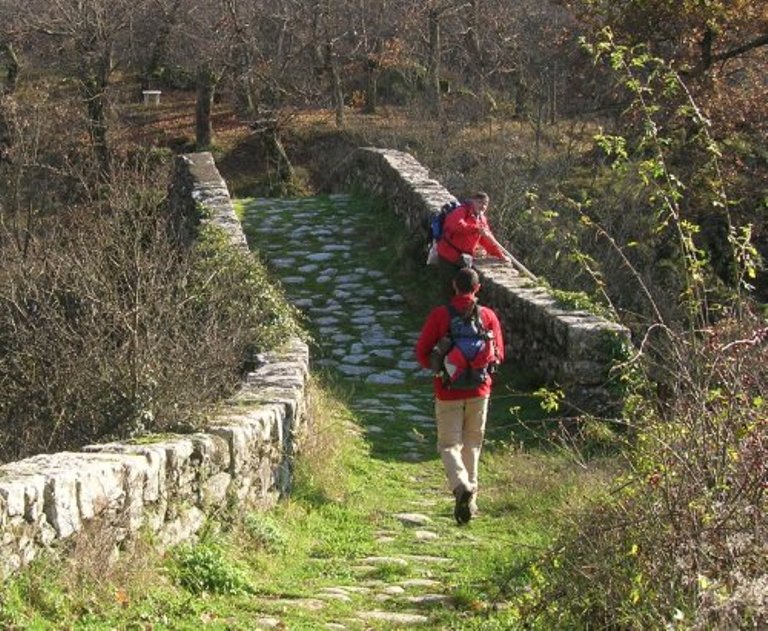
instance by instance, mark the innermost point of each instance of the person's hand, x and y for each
(505, 258)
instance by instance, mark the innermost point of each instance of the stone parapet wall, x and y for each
(198, 191)
(574, 350)
(166, 485)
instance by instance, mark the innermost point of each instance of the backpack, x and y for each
(466, 355)
(437, 220)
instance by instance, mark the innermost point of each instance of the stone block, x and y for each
(150, 459)
(21, 492)
(183, 527)
(214, 490)
(581, 372)
(594, 339)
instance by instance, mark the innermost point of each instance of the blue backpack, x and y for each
(472, 356)
(438, 219)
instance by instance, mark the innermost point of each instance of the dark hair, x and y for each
(466, 280)
(481, 195)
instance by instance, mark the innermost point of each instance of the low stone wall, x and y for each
(166, 485)
(571, 349)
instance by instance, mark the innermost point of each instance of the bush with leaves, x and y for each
(205, 568)
(682, 542)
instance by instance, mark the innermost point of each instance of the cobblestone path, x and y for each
(363, 329)
(365, 332)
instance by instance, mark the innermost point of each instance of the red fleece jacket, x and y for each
(438, 324)
(461, 235)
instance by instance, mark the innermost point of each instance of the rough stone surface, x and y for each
(394, 618)
(413, 519)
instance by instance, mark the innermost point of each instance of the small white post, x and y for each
(151, 97)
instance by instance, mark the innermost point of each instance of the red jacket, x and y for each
(461, 235)
(438, 324)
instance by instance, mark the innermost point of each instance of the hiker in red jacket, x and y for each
(466, 234)
(461, 409)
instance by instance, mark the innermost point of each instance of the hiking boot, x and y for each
(473, 509)
(461, 511)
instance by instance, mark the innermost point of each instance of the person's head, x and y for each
(466, 281)
(480, 201)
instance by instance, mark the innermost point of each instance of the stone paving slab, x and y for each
(360, 331)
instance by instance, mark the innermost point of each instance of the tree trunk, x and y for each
(338, 93)
(475, 53)
(371, 81)
(522, 92)
(434, 101)
(160, 47)
(553, 95)
(94, 83)
(206, 87)
(12, 67)
(706, 47)
(97, 114)
(244, 97)
(242, 62)
(283, 166)
(266, 129)
(244, 88)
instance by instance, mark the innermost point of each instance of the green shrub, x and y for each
(204, 567)
(264, 532)
(232, 296)
(680, 542)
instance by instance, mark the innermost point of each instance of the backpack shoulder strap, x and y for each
(468, 317)
(484, 329)
(453, 315)
(473, 313)
(477, 314)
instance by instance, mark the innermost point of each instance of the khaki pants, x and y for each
(460, 432)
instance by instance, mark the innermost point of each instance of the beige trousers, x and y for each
(460, 432)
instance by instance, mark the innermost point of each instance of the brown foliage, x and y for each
(110, 327)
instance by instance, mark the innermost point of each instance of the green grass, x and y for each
(252, 567)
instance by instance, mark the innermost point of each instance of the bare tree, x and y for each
(332, 33)
(87, 33)
(198, 42)
(436, 11)
(378, 24)
(434, 15)
(165, 17)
